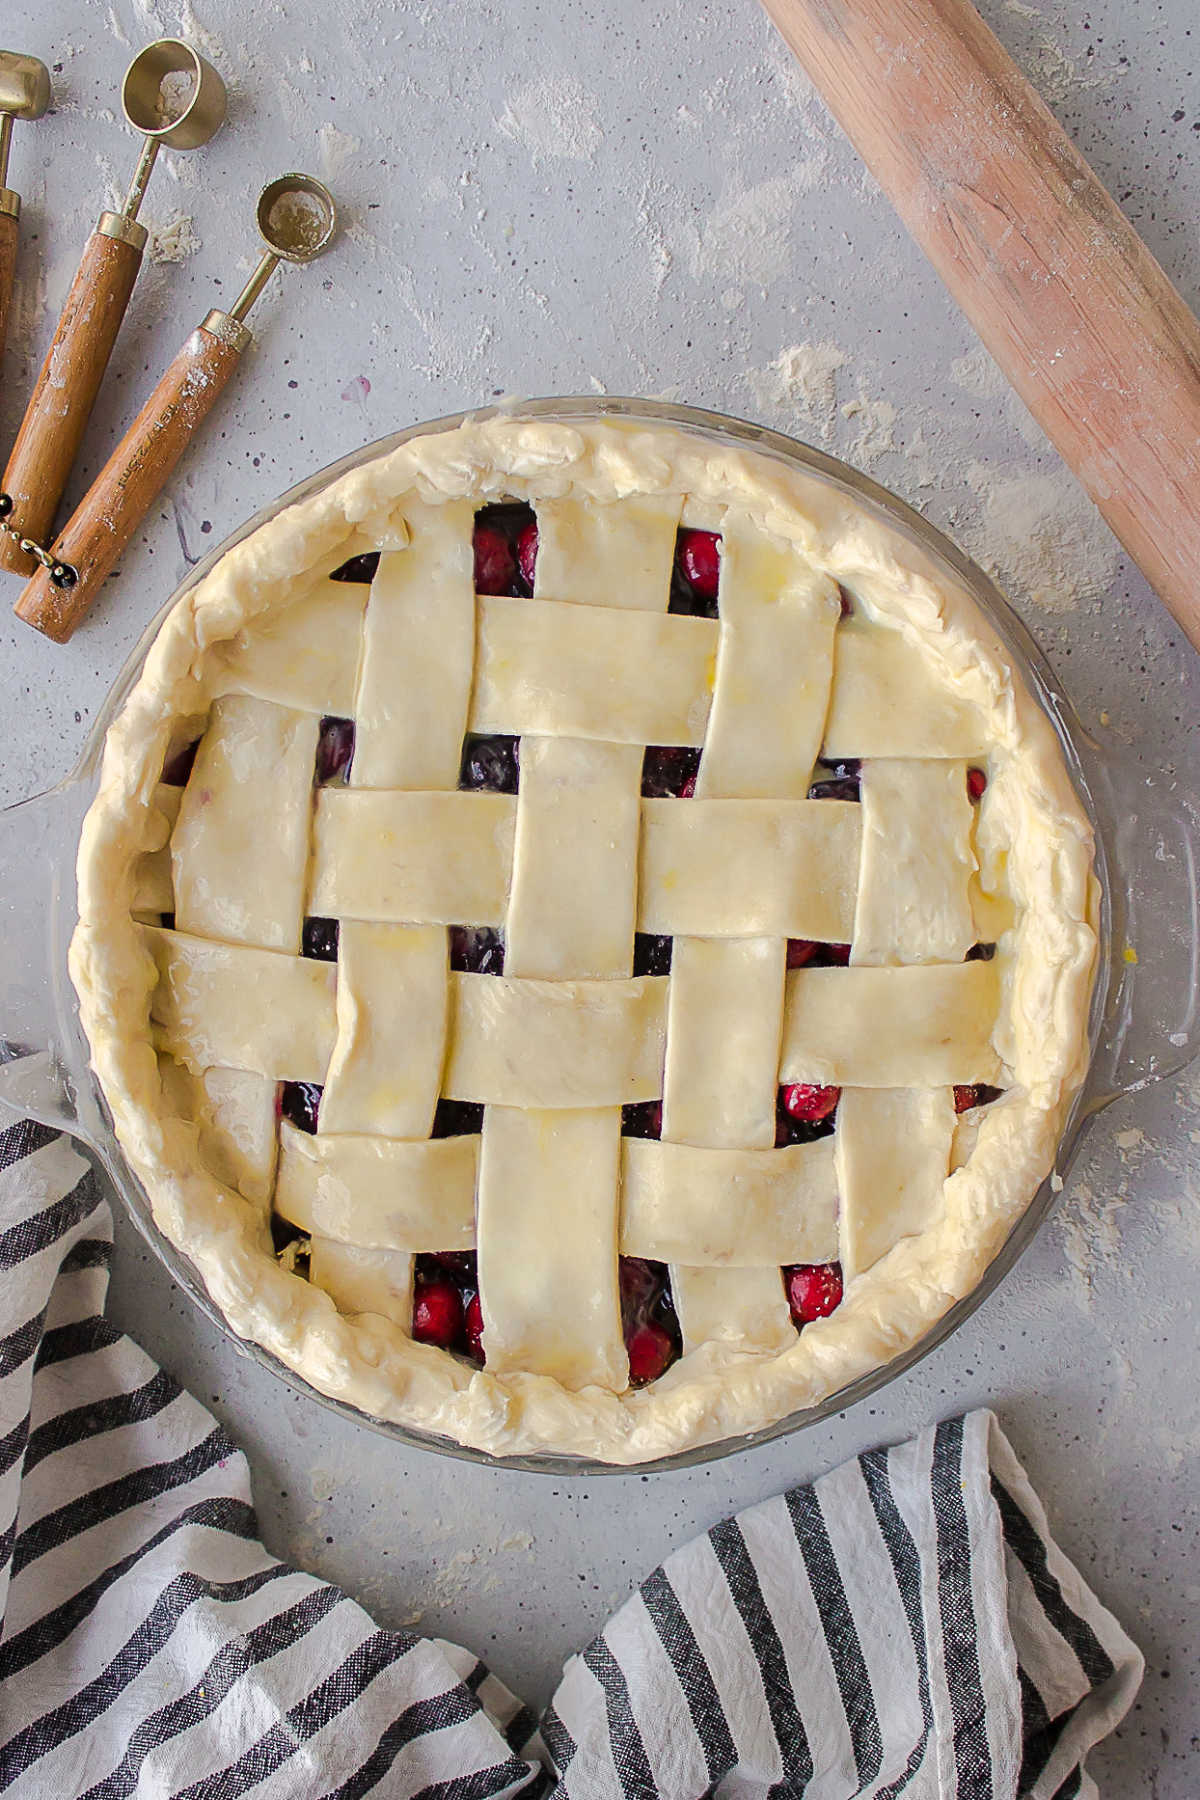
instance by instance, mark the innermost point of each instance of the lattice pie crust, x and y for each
(194, 1027)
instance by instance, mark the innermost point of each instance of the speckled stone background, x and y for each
(599, 196)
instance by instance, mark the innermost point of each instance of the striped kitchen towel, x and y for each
(905, 1626)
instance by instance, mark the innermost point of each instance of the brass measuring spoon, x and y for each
(24, 94)
(297, 219)
(173, 97)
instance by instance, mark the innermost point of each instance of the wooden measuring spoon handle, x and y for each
(66, 389)
(1055, 280)
(8, 269)
(131, 480)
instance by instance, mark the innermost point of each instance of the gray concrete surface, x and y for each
(547, 200)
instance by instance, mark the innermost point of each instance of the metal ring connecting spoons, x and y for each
(174, 97)
(297, 219)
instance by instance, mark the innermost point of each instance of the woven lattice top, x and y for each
(576, 871)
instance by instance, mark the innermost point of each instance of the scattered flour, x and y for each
(747, 235)
(174, 240)
(1040, 535)
(335, 149)
(802, 379)
(554, 116)
(1090, 1229)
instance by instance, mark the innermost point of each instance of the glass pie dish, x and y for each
(1142, 1020)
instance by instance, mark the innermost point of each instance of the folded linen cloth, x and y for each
(904, 1626)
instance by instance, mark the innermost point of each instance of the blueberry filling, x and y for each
(300, 1103)
(283, 1235)
(457, 1118)
(491, 765)
(319, 940)
(842, 783)
(476, 950)
(669, 772)
(642, 1119)
(178, 767)
(981, 953)
(335, 750)
(358, 568)
(651, 954)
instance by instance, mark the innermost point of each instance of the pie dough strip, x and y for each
(304, 656)
(392, 1001)
(234, 1113)
(914, 1027)
(618, 555)
(550, 1044)
(558, 670)
(723, 1033)
(893, 1156)
(412, 858)
(418, 655)
(379, 1192)
(888, 701)
(548, 1245)
(364, 1281)
(153, 889)
(917, 862)
(729, 1208)
(239, 850)
(236, 1007)
(778, 620)
(750, 868)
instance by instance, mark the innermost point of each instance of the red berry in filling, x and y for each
(700, 560)
(179, 767)
(527, 549)
(805, 1100)
(495, 564)
(965, 1098)
(847, 604)
(813, 1290)
(437, 1314)
(838, 953)
(799, 952)
(650, 1353)
(976, 783)
(473, 1326)
(300, 1102)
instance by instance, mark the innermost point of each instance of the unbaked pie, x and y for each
(586, 949)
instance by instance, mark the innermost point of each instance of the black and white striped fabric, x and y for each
(905, 1626)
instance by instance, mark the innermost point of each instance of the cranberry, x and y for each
(335, 750)
(473, 1326)
(178, 767)
(319, 940)
(667, 770)
(491, 765)
(358, 568)
(651, 1352)
(495, 564)
(300, 1102)
(527, 550)
(965, 1098)
(976, 783)
(688, 790)
(805, 1100)
(642, 1119)
(813, 1290)
(836, 955)
(437, 1314)
(799, 952)
(476, 950)
(699, 555)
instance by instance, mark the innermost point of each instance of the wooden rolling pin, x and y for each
(1055, 280)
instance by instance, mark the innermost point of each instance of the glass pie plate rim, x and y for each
(1143, 1022)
